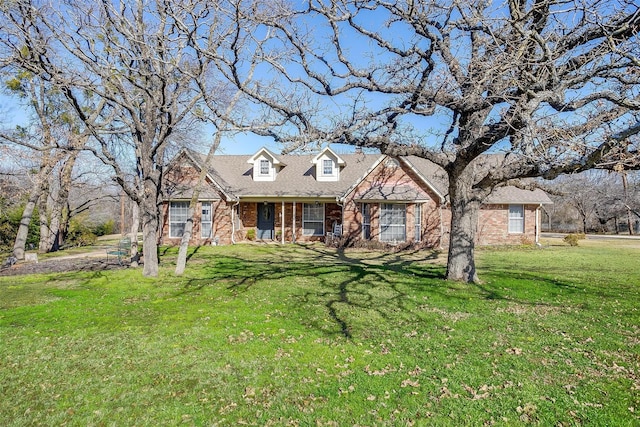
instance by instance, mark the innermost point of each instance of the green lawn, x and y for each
(295, 335)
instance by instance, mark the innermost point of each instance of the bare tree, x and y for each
(134, 57)
(551, 85)
(54, 138)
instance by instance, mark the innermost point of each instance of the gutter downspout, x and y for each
(293, 234)
(233, 223)
(282, 216)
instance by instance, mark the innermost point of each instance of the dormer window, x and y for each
(265, 165)
(328, 165)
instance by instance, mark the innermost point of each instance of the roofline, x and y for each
(423, 178)
(341, 161)
(276, 160)
(407, 163)
(517, 202)
(375, 164)
(228, 196)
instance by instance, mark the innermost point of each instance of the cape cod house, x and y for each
(301, 198)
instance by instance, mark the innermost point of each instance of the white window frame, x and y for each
(206, 220)
(417, 212)
(178, 213)
(393, 230)
(366, 220)
(310, 213)
(327, 167)
(516, 219)
(265, 167)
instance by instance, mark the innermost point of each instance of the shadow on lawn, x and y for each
(348, 285)
(352, 288)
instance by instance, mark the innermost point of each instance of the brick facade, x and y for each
(387, 182)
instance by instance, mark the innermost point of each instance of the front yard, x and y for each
(305, 335)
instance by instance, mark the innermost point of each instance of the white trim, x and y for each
(362, 178)
(521, 220)
(227, 196)
(380, 222)
(210, 221)
(314, 221)
(170, 219)
(422, 177)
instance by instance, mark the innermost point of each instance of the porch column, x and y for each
(282, 224)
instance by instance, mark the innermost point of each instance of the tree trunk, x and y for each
(188, 228)
(23, 228)
(45, 222)
(186, 236)
(150, 222)
(36, 192)
(461, 266)
(135, 226)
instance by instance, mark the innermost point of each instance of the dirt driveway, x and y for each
(92, 260)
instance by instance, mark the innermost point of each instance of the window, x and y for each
(516, 218)
(206, 220)
(178, 213)
(418, 222)
(264, 167)
(392, 222)
(313, 219)
(327, 167)
(366, 221)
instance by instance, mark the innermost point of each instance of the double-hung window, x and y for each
(178, 212)
(418, 222)
(206, 220)
(313, 219)
(366, 221)
(264, 167)
(327, 167)
(393, 222)
(516, 218)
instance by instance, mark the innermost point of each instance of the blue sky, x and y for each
(12, 114)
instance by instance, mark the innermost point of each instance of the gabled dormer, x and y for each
(328, 165)
(266, 165)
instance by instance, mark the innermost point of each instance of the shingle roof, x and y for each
(297, 179)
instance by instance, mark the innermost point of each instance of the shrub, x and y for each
(80, 234)
(105, 228)
(572, 239)
(251, 234)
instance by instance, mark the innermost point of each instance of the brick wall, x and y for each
(493, 226)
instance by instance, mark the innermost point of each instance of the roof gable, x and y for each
(264, 153)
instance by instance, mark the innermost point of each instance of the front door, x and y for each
(265, 220)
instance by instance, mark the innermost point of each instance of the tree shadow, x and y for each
(349, 286)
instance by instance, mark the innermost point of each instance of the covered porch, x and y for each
(287, 220)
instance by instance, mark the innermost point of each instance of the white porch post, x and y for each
(282, 224)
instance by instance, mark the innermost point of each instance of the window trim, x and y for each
(263, 163)
(313, 221)
(417, 222)
(327, 163)
(520, 219)
(173, 206)
(209, 221)
(383, 207)
(365, 208)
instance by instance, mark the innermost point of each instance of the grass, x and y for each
(304, 335)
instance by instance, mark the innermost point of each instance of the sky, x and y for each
(13, 114)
